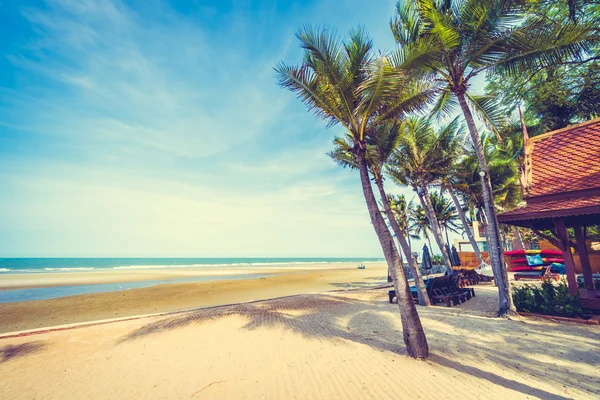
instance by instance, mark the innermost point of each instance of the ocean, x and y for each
(48, 265)
(14, 266)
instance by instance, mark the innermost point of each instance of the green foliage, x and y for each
(423, 154)
(556, 93)
(437, 259)
(547, 299)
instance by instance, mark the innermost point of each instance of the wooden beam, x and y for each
(583, 257)
(565, 247)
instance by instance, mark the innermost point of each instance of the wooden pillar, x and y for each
(563, 236)
(583, 257)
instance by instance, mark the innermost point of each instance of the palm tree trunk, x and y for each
(414, 336)
(414, 269)
(435, 226)
(428, 240)
(494, 244)
(463, 219)
(518, 238)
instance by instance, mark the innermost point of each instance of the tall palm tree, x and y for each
(344, 83)
(504, 177)
(402, 211)
(456, 40)
(380, 147)
(447, 185)
(420, 224)
(445, 211)
(420, 161)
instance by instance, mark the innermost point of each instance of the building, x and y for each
(464, 245)
(560, 180)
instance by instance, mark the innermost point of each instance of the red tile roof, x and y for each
(566, 160)
(557, 208)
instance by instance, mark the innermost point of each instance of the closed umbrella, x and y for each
(426, 259)
(454, 258)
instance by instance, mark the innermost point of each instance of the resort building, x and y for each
(561, 184)
(464, 245)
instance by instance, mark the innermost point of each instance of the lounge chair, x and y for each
(392, 296)
(468, 292)
(438, 296)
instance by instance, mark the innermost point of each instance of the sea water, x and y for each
(49, 265)
(10, 266)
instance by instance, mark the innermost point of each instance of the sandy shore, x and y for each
(344, 345)
(32, 280)
(177, 296)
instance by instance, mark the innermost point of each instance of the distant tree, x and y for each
(422, 157)
(380, 146)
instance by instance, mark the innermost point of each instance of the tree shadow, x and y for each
(20, 350)
(358, 285)
(495, 379)
(370, 322)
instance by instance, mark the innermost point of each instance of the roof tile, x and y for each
(557, 208)
(566, 160)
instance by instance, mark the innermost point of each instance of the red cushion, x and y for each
(521, 268)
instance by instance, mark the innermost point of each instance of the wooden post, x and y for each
(561, 229)
(583, 257)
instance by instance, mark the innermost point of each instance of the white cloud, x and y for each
(146, 133)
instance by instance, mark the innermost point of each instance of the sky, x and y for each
(155, 128)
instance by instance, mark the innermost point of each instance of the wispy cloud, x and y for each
(160, 131)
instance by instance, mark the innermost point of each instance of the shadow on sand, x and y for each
(20, 350)
(462, 350)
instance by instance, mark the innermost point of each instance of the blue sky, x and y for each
(155, 128)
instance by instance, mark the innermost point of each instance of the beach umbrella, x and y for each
(454, 258)
(426, 259)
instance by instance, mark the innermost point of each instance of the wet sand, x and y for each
(298, 279)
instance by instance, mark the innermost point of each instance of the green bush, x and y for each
(547, 299)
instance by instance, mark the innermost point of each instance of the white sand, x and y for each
(344, 345)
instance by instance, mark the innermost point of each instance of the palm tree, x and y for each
(420, 161)
(379, 149)
(445, 212)
(456, 40)
(344, 83)
(420, 224)
(463, 219)
(504, 177)
(402, 212)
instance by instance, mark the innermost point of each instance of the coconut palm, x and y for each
(402, 210)
(344, 83)
(380, 146)
(445, 212)
(464, 180)
(420, 224)
(454, 41)
(463, 219)
(420, 161)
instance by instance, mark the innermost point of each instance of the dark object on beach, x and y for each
(426, 263)
(442, 289)
(361, 266)
(454, 258)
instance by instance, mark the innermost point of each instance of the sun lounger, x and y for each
(468, 292)
(392, 296)
(537, 275)
(438, 296)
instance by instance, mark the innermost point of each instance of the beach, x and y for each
(345, 345)
(281, 280)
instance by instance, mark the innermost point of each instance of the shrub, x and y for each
(438, 259)
(547, 299)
